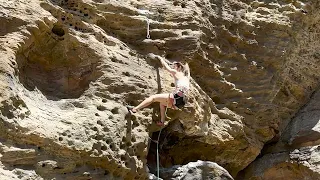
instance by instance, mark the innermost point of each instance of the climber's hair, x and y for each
(184, 68)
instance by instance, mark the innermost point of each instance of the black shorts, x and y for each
(179, 100)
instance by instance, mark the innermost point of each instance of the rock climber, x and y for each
(176, 99)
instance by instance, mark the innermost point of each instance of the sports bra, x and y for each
(182, 84)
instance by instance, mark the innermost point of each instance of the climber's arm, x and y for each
(166, 66)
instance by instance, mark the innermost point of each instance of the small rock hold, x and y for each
(86, 173)
(304, 11)
(58, 30)
(101, 108)
(126, 73)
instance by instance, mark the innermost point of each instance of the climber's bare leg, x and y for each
(161, 98)
(162, 114)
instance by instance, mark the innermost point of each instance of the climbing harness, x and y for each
(148, 28)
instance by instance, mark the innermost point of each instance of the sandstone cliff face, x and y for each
(69, 67)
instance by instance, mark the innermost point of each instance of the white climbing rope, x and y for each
(158, 169)
(157, 142)
(148, 28)
(146, 13)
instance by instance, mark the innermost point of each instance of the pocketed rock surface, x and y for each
(197, 170)
(69, 67)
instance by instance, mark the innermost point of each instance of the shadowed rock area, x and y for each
(69, 67)
(56, 64)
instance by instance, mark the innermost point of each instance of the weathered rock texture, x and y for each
(295, 155)
(68, 68)
(301, 163)
(197, 171)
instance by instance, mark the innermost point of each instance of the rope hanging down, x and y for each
(158, 169)
(148, 28)
(157, 142)
(146, 13)
(158, 154)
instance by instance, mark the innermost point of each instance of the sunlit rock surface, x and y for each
(197, 171)
(69, 67)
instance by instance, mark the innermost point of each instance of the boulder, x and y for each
(200, 170)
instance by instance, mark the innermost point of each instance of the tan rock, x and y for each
(68, 68)
(297, 164)
(304, 130)
(197, 170)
